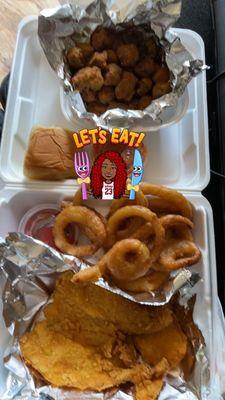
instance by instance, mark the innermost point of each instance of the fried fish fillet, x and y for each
(86, 340)
(149, 389)
(170, 343)
(66, 363)
(107, 311)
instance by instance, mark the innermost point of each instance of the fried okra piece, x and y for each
(106, 94)
(112, 56)
(128, 55)
(145, 67)
(88, 95)
(88, 78)
(99, 59)
(152, 47)
(102, 39)
(144, 86)
(162, 75)
(144, 102)
(125, 88)
(96, 107)
(113, 75)
(87, 50)
(75, 58)
(134, 104)
(160, 89)
(117, 104)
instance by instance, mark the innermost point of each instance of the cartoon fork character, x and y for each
(136, 176)
(82, 168)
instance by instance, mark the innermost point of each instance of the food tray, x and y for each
(15, 203)
(34, 98)
(178, 156)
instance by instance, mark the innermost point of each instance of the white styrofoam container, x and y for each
(178, 157)
(35, 99)
(15, 203)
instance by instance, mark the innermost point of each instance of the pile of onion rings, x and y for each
(142, 240)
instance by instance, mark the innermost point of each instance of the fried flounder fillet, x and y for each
(86, 341)
(111, 313)
(66, 363)
(170, 343)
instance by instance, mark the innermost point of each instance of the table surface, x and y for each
(11, 12)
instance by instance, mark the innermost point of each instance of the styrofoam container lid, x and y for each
(178, 155)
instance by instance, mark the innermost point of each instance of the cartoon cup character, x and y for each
(108, 176)
(136, 176)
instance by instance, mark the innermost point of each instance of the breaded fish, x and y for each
(170, 343)
(107, 309)
(66, 363)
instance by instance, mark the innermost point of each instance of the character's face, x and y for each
(82, 171)
(137, 171)
(108, 169)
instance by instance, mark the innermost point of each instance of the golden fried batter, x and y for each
(88, 95)
(128, 54)
(126, 316)
(171, 343)
(82, 342)
(66, 363)
(144, 102)
(102, 39)
(88, 78)
(144, 86)
(113, 75)
(145, 67)
(125, 89)
(160, 89)
(148, 390)
(162, 75)
(117, 104)
(75, 58)
(106, 94)
(99, 59)
(112, 57)
(96, 107)
(151, 47)
(87, 50)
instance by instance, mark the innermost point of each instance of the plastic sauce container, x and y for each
(38, 222)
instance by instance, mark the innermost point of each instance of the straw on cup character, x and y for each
(82, 168)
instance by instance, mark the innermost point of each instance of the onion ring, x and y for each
(147, 215)
(140, 200)
(93, 226)
(145, 231)
(127, 260)
(77, 199)
(146, 284)
(177, 226)
(170, 195)
(171, 220)
(162, 207)
(178, 254)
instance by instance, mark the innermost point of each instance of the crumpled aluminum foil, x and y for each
(28, 271)
(58, 28)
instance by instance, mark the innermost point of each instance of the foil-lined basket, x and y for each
(59, 28)
(28, 271)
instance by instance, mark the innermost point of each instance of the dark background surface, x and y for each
(207, 18)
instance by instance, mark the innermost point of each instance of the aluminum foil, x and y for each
(59, 28)
(28, 272)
